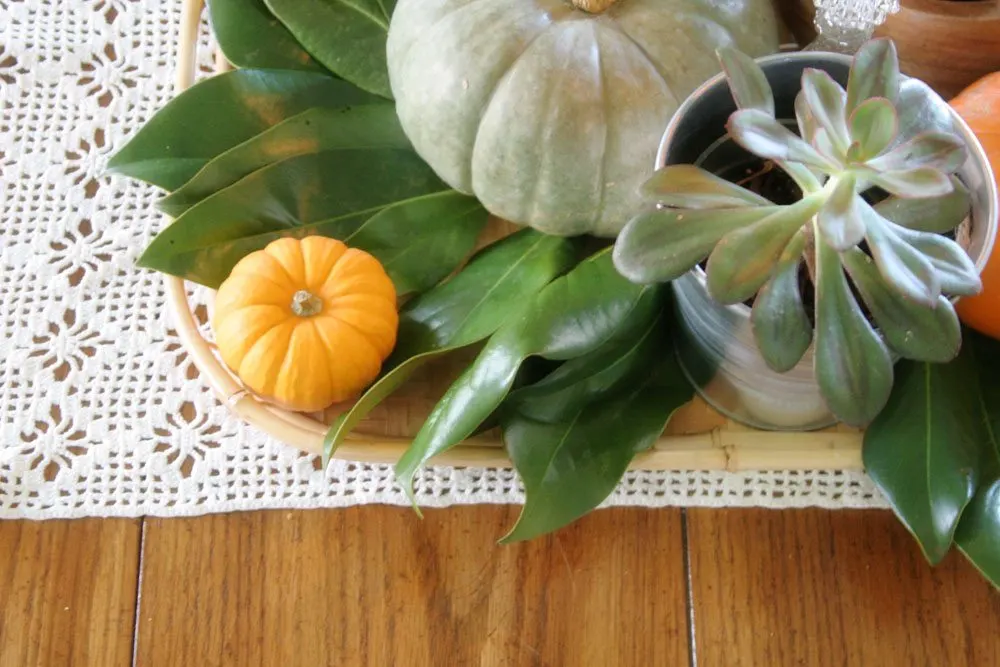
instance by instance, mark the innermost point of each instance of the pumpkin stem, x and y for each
(306, 304)
(593, 6)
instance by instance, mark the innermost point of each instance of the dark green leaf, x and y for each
(873, 127)
(747, 81)
(183, 136)
(874, 73)
(939, 151)
(347, 36)
(767, 138)
(841, 220)
(744, 259)
(911, 329)
(953, 268)
(570, 466)
(687, 186)
(572, 316)
(471, 306)
(922, 450)
(250, 36)
(938, 214)
(312, 131)
(909, 273)
(662, 244)
(781, 325)
(853, 367)
(827, 103)
(978, 533)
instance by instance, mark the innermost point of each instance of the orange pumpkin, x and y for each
(306, 323)
(979, 105)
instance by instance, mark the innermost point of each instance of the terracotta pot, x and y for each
(947, 43)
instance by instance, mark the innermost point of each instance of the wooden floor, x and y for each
(376, 586)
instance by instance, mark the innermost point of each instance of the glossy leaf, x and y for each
(744, 259)
(572, 316)
(919, 183)
(955, 271)
(312, 131)
(182, 138)
(571, 465)
(687, 186)
(938, 214)
(934, 150)
(904, 268)
(331, 194)
(874, 73)
(767, 138)
(912, 330)
(250, 36)
(826, 101)
(841, 220)
(978, 533)
(853, 366)
(781, 326)
(347, 36)
(493, 286)
(873, 126)
(747, 81)
(922, 450)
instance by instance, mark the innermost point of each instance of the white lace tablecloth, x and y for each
(101, 412)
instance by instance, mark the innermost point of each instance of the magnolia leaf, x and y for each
(767, 138)
(313, 131)
(250, 36)
(912, 330)
(853, 366)
(874, 73)
(744, 259)
(347, 36)
(922, 450)
(919, 183)
(781, 325)
(955, 270)
(873, 126)
(462, 311)
(747, 81)
(182, 138)
(841, 220)
(687, 186)
(903, 267)
(572, 316)
(978, 533)
(826, 100)
(938, 214)
(662, 244)
(935, 150)
(922, 110)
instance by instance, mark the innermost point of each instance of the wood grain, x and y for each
(377, 586)
(841, 588)
(68, 592)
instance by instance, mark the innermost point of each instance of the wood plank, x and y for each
(376, 586)
(68, 592)
(815, 587)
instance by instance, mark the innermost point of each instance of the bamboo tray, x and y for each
(698, 438)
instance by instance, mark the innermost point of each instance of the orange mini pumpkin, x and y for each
(979, 106)
(306, 323)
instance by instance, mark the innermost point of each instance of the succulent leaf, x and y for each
(912, 330)
(687, 186)
(662, 244)
(873, 127)
(919, 183)
(744, 259)
(765, 137)
(841, 221)
(804, 117)
(874, 73)
(902, 266)
(921, 110)
(936, 150)
(747, 81)
(781, 326)
(940, 214)
(826, 100)
(952, 265)
(824, 146)
(853, 366)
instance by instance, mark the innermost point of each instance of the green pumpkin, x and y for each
(551, 114)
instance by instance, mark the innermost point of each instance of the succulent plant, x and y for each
(881, 136)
